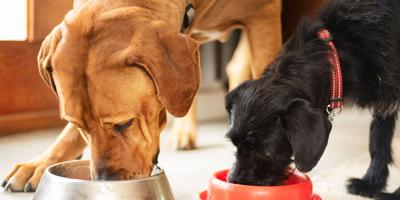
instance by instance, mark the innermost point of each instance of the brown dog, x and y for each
(117, 67)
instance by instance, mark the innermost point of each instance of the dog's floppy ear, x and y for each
(308, 133)
(44, 57)
(172, 61)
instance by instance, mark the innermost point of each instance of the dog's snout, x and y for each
(230, 177)
(106, 173)
(235, 176)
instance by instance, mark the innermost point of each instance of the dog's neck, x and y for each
(303, 67)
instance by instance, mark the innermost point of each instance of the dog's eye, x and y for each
(121, 127)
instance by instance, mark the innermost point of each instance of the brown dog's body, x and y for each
(118, 66)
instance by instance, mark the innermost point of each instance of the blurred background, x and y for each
(29, 116)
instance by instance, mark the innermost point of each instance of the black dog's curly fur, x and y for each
(283, 114)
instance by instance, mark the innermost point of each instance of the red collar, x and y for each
(337, 80)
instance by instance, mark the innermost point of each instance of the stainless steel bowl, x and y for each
(71, 181)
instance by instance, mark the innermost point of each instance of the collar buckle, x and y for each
(333, 112)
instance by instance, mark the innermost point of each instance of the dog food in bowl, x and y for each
(297, 187)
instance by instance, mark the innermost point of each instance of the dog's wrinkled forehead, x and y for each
(90, 72)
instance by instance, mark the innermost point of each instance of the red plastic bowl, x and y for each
(297, 187)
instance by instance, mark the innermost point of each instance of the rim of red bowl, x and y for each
(203, 196)
(217, 179)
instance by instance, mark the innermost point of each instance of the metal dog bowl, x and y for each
(71, 180)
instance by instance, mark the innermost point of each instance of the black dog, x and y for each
(283, 114)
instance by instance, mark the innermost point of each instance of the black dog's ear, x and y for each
(308, 133)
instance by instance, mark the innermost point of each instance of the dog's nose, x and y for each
(105, 173)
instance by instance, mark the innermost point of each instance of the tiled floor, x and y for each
(189, 171)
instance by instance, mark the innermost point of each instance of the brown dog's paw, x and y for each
(181, 141)
(186, 144)
(24, 177)
(183, 135)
